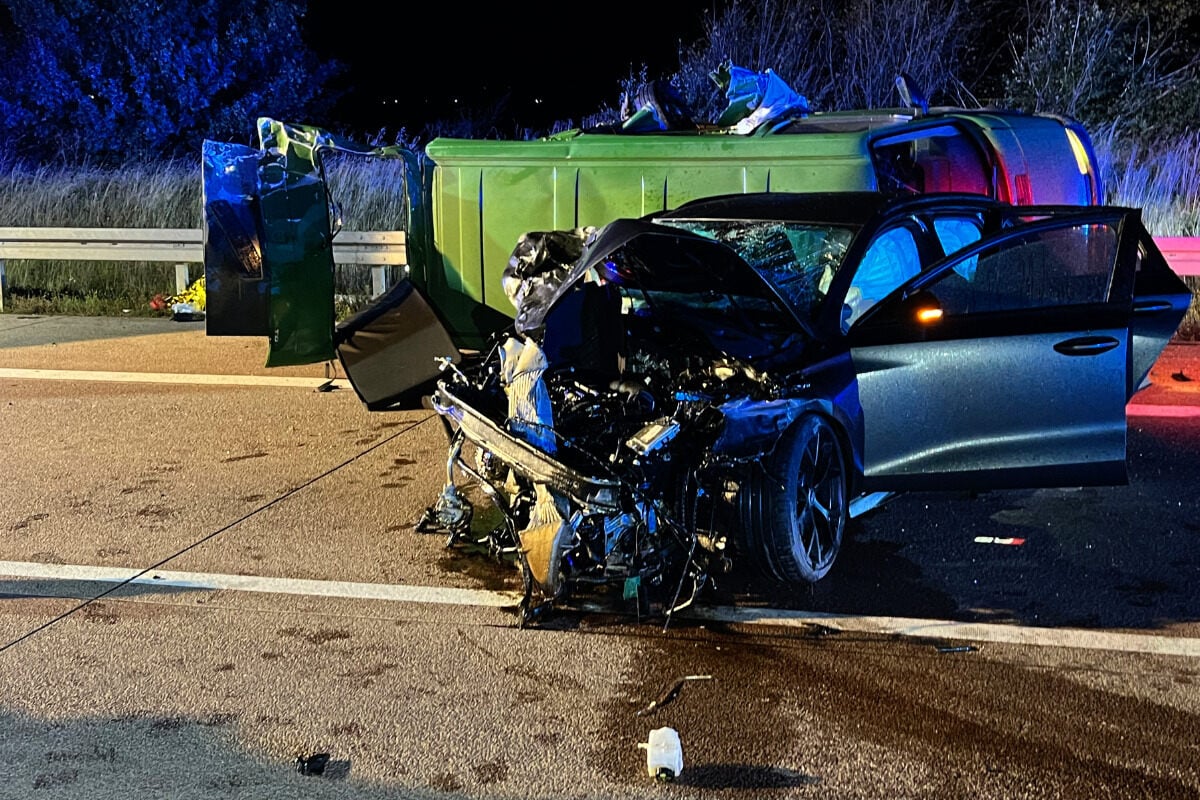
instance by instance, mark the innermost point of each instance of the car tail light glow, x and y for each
(1024, 190)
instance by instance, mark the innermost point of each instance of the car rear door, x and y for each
(1160, 301)
(1006, 364)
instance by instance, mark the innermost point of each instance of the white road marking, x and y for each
(168, 377)
(1153, 410)
(961, 631)
(254, 583)
(903, 626)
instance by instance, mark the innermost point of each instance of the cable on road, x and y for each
(210, 536)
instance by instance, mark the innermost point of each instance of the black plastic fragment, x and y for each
(312, 764)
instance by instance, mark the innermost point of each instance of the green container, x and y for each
(485, 194)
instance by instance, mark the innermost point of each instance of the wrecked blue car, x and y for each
(730, 381)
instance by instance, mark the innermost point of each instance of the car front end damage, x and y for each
(611, 434)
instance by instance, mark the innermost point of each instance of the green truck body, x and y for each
(269, 232)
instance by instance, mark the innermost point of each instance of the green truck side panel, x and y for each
(486, 194)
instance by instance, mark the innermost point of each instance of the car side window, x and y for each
(939, 159)
(955, 233)
(890, 260)
(1058, 267)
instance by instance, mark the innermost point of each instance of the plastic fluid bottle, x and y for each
(664, 754)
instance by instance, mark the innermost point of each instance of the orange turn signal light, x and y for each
(929, 315)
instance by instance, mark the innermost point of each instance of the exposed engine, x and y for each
(593, 432)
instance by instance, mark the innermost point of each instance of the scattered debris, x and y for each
(1180, 376)
(814, 630)
(664, 754)
(312, 764)
(186, 312)
(671, 694)
(330, 377)
(1006, 540)
(961, 648)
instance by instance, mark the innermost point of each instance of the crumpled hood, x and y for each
(622, 252)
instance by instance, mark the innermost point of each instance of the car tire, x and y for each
(796, 508)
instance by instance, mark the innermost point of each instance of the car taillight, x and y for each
(1085, 162)
(1024, 190)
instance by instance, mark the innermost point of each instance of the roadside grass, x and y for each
(371, 194)
(1165, 185)
(163, 195)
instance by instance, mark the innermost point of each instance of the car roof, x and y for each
(847, 208)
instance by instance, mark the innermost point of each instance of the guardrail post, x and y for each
(3, 285)
(181, 278)
(378, 281)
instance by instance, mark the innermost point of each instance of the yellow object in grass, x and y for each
(194, 296)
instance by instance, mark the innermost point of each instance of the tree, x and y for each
(1133, 66)
(150, 77)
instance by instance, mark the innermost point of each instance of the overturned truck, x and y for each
(644, 399)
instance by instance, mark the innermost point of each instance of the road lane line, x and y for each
(1153, 410)
(168, 377)
(883, 625)
(254, 583)
(959, 631)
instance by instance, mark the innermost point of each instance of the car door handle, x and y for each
(1086, 346)
(1151, 307)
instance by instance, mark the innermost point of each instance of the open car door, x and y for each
(1009, 363)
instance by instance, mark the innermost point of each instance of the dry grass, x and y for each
(162, 195)
(1163, 183)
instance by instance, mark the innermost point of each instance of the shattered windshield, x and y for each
(798, 259)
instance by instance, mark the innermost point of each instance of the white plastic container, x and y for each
(664, 754)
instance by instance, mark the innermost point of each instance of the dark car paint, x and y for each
(1029, 441)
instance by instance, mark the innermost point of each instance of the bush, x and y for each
(1107, 66)
(839, 55)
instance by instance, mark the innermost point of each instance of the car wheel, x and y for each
(798, 506)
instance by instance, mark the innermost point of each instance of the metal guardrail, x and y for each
(1181, 252)
(378, 249)
(182, 246)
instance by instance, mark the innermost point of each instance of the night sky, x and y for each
(429, 61)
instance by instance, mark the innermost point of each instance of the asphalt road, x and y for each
(170, 691)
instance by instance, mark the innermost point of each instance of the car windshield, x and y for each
(798, 259)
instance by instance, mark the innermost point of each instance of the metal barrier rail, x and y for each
(378, 249)
(1181, 252)
(183, 246)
